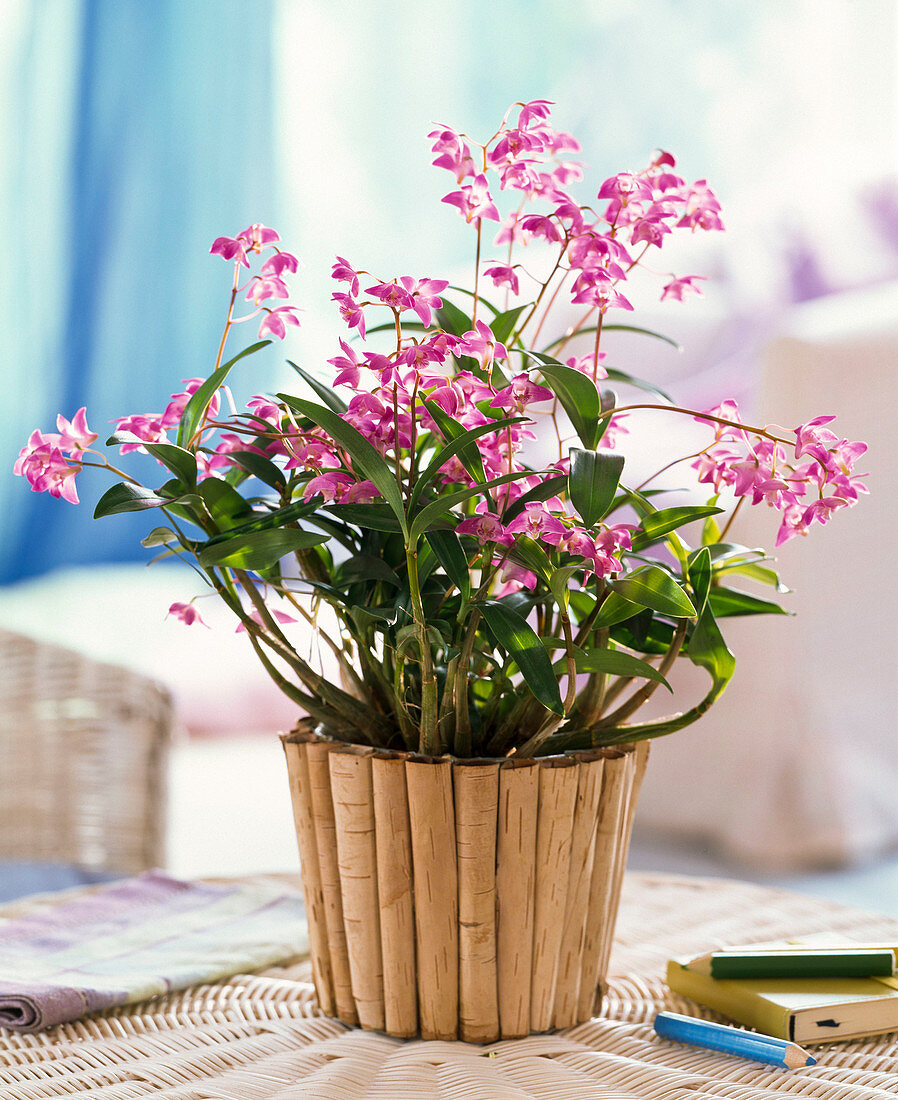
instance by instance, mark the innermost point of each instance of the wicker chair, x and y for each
(83, 754)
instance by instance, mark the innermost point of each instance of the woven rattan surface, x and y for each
(257, 1037)
(83, 749)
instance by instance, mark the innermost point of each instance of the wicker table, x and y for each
(261, 1036)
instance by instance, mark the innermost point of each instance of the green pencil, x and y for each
(841, 962)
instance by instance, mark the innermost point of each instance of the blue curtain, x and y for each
(136, 132)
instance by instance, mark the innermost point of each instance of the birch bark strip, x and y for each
(317, 753)
(583, 838)
(301, 798)
(557, 796)
(394, 884)
(515, 889)
(640, 759)
(432, 818)
(616, 775)
(476, 790)
(351, 788)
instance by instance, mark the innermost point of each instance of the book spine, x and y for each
(731, 999)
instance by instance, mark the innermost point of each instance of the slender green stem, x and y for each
(462, 715)
(429, 727)
(729, 522)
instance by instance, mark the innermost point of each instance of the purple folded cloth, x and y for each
(139, 938)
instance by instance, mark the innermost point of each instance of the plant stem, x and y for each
(462, 716)
(429, 728)
(729, 522)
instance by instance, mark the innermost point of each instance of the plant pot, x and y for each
(460, 899)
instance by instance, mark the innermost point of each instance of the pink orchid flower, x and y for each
(174, 410)
(145, 426)
(521, 393)
(363, 492)
(480, 344)
(351, 312)
(187, 614)
(513, 578)
(425, 295)
(74, 434)
(678, 288)
(503, 275)
(486, 528)
(348, 367)
(262, 287)
(279, 263)
(279, 616)
(332, 486)
(45, 468)
(474, 200)
(343, 272)
(536, 522)
(392, 295)
(276, 320)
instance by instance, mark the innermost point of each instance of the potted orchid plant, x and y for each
(500, 617)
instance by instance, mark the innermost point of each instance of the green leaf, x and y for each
(226, 506)
(700, 577)
(649, 636)
(522, 644)
(260, 467)
(708, 650)
(453, 320)
(124, 497)
(644, 509)
(453, 433)
(652, 587)
(326, 393)
(594, 478)
(195, 409)
(459, 441)
(373, 517)
(181, 462)
(503, 324)
(730, 558)
(617, 663)
(559, 584)
(552, 486)
(365, 458)
(710, 530)
(730, 601)
(449, 552)
(364, 567)
(631, 380)
(431, 512)
(621, 328)
(616, 609)
(529, 553)
(280, 517)
(257, 549)
(159, 536)
(578, 396)
(658, 524)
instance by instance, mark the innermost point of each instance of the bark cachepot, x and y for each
(460, 899)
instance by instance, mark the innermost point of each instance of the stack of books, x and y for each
(800, 993)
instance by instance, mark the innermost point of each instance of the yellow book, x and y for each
(806, 1010)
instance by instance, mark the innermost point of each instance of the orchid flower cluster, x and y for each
(485, 603)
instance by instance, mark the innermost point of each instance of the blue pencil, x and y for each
(731, 1040)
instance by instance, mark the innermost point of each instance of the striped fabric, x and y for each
(139, 938)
